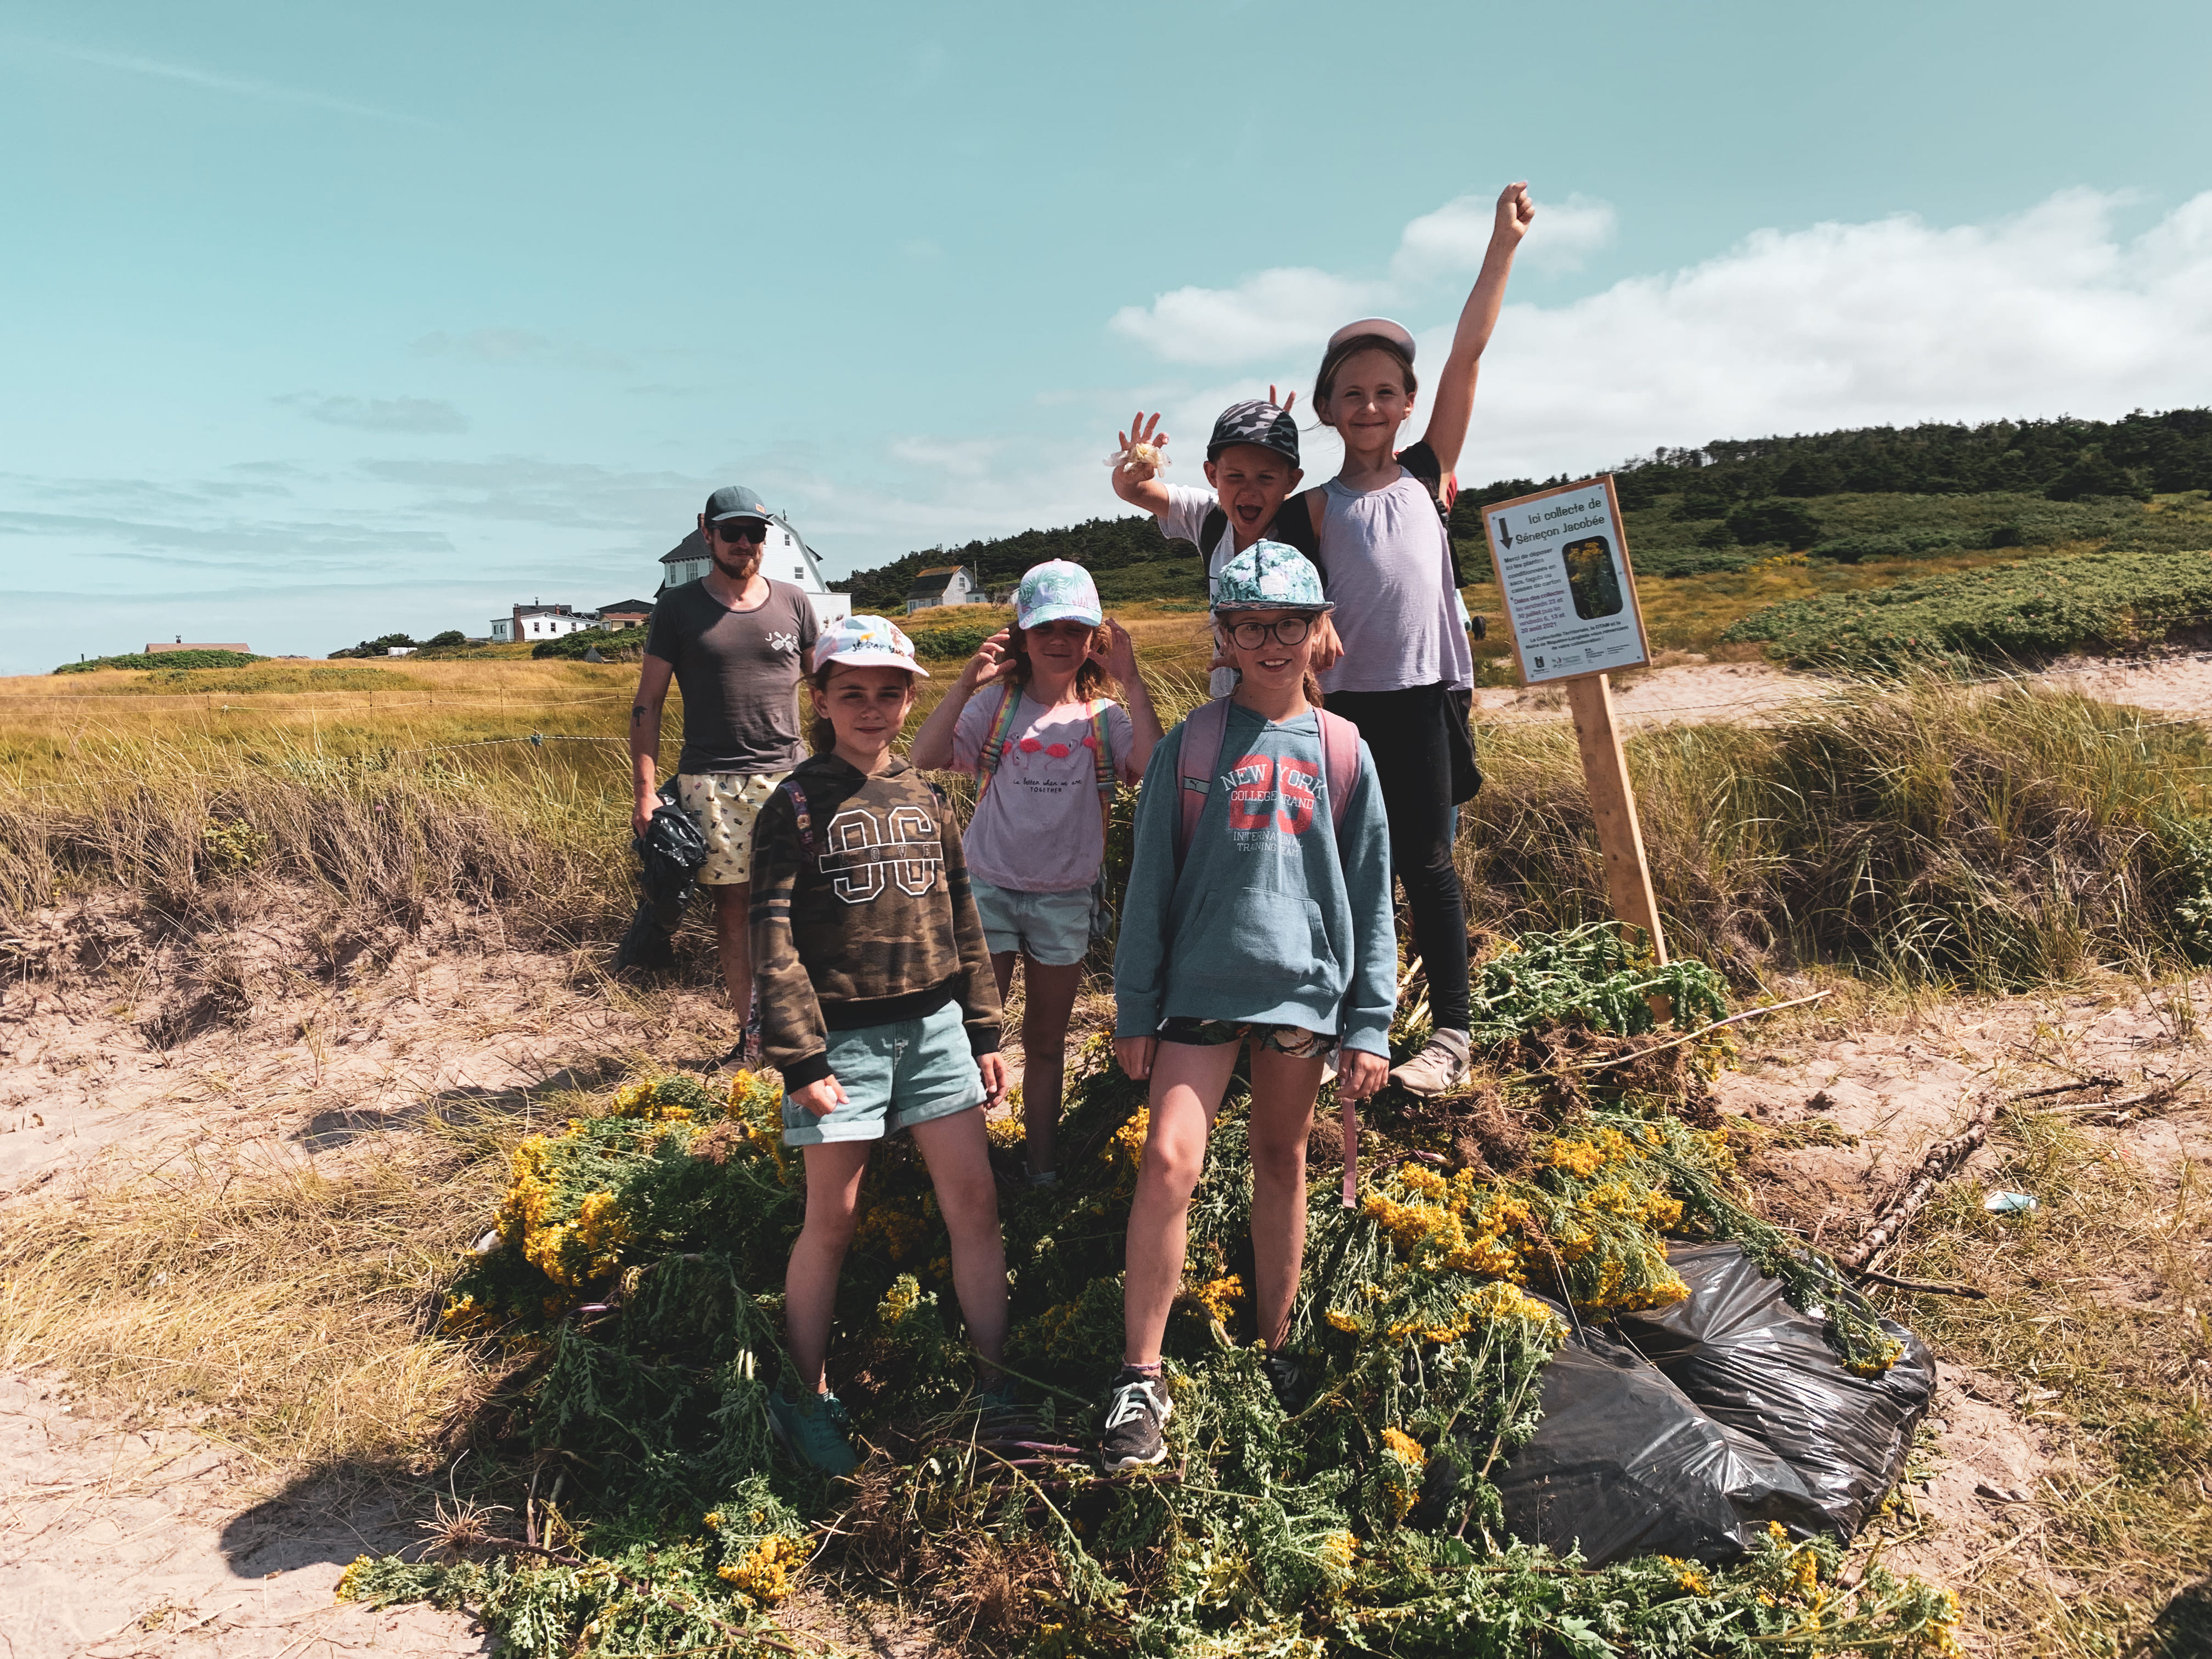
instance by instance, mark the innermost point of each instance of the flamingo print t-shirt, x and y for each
(1037, 828)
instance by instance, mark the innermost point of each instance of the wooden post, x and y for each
(1627, 877)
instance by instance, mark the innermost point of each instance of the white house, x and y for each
(786, 558)
(541, 621)
(950, 584)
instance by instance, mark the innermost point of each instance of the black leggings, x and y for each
(1409, 734)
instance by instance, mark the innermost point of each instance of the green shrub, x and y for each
(2027, 610)
(572, 646)
(164, 660)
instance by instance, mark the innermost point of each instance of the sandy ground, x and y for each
(118, 1537)
(1694, 691)
(1981, 1515)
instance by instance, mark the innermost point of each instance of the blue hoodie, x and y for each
(1265, 923)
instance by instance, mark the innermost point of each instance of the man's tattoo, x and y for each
(638, 711)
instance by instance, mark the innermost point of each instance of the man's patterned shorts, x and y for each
(724, 805)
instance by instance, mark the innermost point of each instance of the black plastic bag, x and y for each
(1624, 1465)
(1747, 1359)
(669, 853)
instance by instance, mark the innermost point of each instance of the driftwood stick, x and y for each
(2157, 1097)
(1942, 1160)
(1690, 1037)
(2099, 1081)
(1868, 1276)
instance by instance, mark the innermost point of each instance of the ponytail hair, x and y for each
(1334, 360)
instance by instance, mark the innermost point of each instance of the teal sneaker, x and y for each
(813, 1432)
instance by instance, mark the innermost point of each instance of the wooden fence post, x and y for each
(1620, 837)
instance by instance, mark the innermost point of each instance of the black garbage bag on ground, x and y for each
(1747, 1359)
(669, 853)
(1624, 1465)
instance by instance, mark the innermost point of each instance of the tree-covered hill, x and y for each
(1871, 492)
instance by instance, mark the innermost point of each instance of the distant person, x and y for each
(1257, 916)
(1046, 749)
(736, 643)
(881, 1012)
(1252, 465)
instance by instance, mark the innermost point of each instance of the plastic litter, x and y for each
(1623, 1465)
(671, 854)
(2009, 1203)
(1748, 1359)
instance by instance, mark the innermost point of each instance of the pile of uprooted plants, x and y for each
(637, 1261)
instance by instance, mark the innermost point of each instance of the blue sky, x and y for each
(319, 322)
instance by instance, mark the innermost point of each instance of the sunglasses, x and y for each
(743, 529)
(1251, 636)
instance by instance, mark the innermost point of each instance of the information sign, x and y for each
(1562, 564)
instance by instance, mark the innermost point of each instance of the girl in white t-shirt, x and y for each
(1047, 746)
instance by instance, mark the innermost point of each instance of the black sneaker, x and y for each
(1288, 1379)
(1133, 1421)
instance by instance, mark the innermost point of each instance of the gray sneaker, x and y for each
(813, 1432)
(1441, 1063)
(1140, 1409)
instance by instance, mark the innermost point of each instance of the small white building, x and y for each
(541, 621)
(950, 584)
(786, 558)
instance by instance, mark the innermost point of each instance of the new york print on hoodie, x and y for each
(1278, 916)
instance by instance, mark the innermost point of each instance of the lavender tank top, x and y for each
(1390, 578)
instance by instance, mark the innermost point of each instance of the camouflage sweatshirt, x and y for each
(867, 923)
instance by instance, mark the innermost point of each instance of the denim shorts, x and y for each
(1292, 1040)
(894, 1076)
(1052, 929)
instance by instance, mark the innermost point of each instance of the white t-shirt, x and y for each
(1037, 829)
(1390, 578)
(1183, 521)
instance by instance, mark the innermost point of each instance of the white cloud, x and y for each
(1262, 316)
(1893, 321)
(379, 414)
(235, 86)
(1841, 325)
(1295, 306)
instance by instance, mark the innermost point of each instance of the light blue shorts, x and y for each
(1052, 929)
(894, 1076)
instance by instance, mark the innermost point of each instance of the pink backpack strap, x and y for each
(1340, 760)
(1340, 750)
(994, 746)
(1196, 762)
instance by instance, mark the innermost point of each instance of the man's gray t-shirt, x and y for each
(738, 672)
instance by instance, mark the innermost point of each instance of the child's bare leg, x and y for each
(1283, 1091)
(810, 1282)
(959, 1160)
(1049, 999)
(1187, 1085)
(1002, 970)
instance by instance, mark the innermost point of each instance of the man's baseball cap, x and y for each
(1256, 420)
(866, 643)
(1055, 589)
(1269, 576)
(735, 502)
(1397, 333)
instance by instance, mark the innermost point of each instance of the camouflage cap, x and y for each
(1256, 420)
(1269, 576)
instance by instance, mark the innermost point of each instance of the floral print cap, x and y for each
(1055, 589)
(868, 641)
(1269, 576)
